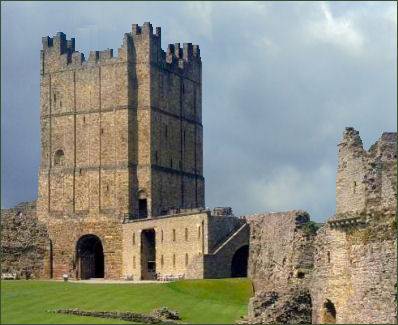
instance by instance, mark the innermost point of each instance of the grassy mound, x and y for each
(197, 301)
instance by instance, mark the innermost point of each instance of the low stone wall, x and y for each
(25, 245)
(162, 315)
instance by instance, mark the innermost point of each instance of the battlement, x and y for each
(140, 45)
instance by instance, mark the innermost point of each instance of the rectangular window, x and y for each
(174, 260)
(174, 235)
(161, 235)
(161, 261)
(186, 259)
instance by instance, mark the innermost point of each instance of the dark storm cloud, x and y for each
(280, 83)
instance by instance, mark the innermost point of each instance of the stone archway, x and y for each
(239, 262)
(328, 313)
(90, 257)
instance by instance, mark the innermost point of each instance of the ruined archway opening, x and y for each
(90, 257)
(329, 313)
(239, 262)
(148, 254)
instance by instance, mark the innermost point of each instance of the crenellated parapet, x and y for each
(141, 45)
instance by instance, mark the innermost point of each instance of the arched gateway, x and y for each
(239, 262)
(90, 257)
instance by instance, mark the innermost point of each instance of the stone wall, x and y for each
(180, 241)
(193, 244)
(280, 265)
(25, 245)
(356, 257)
(366, 180)
(355, 270)
(65, 234)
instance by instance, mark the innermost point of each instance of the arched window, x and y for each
(59, 157)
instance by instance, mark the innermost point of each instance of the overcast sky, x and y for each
(280, 83)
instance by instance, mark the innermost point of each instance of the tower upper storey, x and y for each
(142, 44)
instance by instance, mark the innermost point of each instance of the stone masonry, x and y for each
(280, 266)
(344, 272)
(121, 195)
(25, 245)
(356, 251)
(121, 187)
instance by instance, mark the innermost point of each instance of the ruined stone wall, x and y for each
(355, 270)
(25, 245)
(356, 258)
(366, 180)
(280, 266)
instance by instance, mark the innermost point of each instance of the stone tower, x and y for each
(366, 179)
(121, 139)
(120, 136)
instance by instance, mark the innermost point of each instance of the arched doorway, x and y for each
(90, 257)
(239, 262)
(329, 313)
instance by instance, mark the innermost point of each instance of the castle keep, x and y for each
(121, 184)
(121, 195)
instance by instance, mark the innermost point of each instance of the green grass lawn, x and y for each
(197, 301)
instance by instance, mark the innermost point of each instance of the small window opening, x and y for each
(174, 235)
(199, 232)
(355, 187)
(300, 275)
(161, 235)
(161, 261)
(84, 119)
(328, 257)
(174, 260)
(186, 259)
(186, 234)
(102, 130)
(59, 157)
(60, 104)
(134, 264)
(133, 238)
